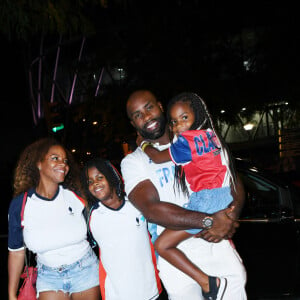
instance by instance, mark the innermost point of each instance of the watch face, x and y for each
(207, 222)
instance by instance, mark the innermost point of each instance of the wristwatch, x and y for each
(207, 222)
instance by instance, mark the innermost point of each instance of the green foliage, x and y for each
(23, 19)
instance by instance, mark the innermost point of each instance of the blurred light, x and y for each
(248, 126)
(246, 65)
(58, 127)
(222, 111)
(83, 119)
(244, 108)
(73, 150)
(286, 103)
(118, 73)
(95, 123)
(88, 153)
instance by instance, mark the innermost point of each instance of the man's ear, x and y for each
(38, 165)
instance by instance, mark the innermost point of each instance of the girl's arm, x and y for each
(156, 156)
(15, 268)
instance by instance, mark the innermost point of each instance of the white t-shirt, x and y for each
(127, 261)
(209, 257)
(53, 229)
(137, 167)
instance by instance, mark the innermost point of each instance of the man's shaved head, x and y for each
(135, 97)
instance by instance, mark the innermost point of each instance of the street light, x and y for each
(248, 126)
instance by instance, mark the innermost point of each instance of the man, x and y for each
(150, 187)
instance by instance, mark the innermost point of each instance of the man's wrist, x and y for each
(207, 222)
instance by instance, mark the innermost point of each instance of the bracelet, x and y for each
(144, 144)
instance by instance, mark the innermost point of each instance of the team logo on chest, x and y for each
(139, 220)
(205, 144)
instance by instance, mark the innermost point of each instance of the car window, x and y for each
(295, 194)
(262, 197)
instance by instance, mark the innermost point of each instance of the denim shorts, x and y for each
(77, 277)
(208, 201)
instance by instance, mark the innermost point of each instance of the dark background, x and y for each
(169, 47)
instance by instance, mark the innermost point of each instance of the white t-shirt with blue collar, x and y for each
(54, 229)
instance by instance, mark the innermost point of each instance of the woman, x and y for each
(128, 265)
(54, 226)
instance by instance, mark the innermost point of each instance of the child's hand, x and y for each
(139, 139)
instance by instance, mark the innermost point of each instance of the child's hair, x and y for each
(203, 120)
(198, 106)
(111, 174)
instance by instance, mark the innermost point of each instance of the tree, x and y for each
(24, 20)
(35, 25)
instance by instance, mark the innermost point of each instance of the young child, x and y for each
(203, 167)
(127, 260)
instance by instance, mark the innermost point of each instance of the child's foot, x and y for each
(217, 288)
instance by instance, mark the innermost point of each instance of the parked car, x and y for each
(268, 238)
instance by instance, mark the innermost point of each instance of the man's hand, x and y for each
(232, 213)
(224, 226)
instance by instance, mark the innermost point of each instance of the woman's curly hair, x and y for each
(27, 175)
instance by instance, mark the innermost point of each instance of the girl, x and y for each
(54, 226)
(127, 260)
(202, 166)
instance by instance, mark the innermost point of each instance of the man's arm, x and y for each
(236, 207)
(238, 194)
(145, 197)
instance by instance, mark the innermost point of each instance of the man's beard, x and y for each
(159, 132)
